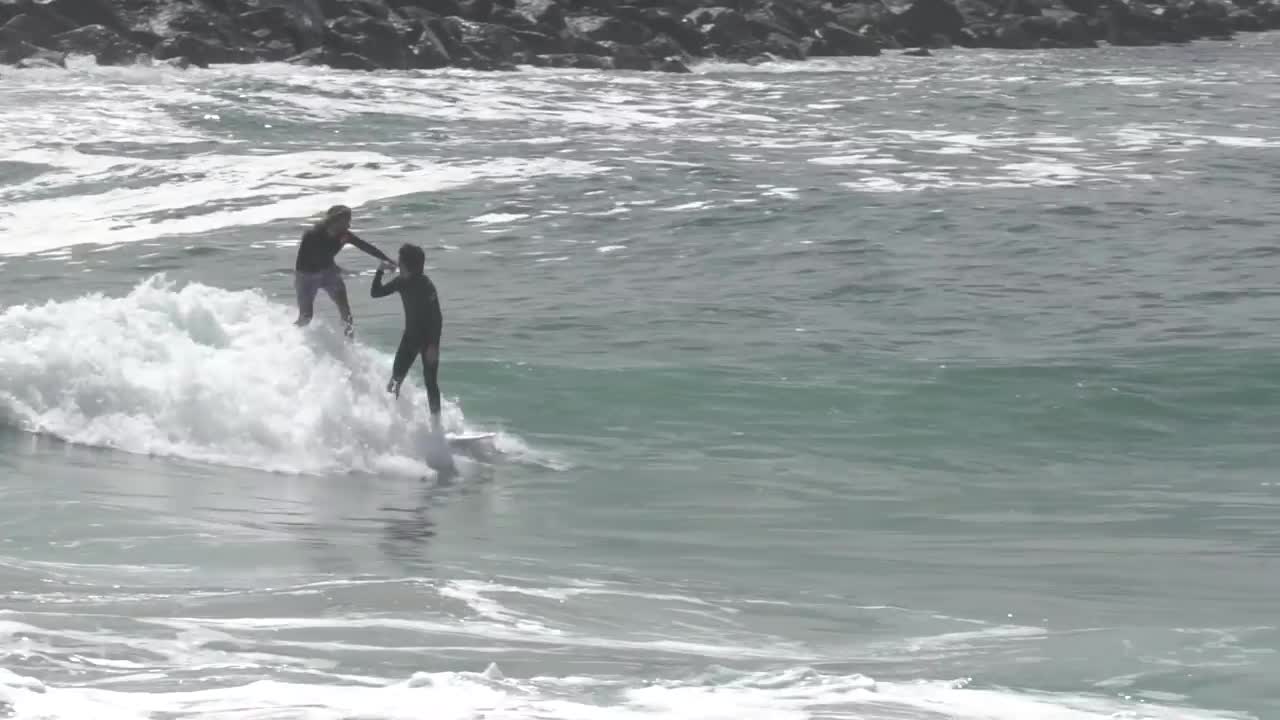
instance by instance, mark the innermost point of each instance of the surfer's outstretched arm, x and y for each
(378, 289)
(367, 248)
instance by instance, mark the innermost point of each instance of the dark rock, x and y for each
(788, 17)
(927, 18)
(662, 47)
(607, 29)
(784, 47)
(1065, 28)
(860, 15)
(479, 46)
(13, 48)
(727, 33)
(1203, 18)
(1084, 7)
(1245, 21)
(438, 8)
(10, 9)
(629, 57)
(722, 25)
(545, 13)
(1268, 12)
(541, 43)
(300, 22)
(314, 56)
(196, 19)
(105, 45)
(274, 23)
(512, 19)
(476, 10)
(82, 12)
(578, 45)
(837, 40)
(1012, 34)
(612, 34)
(763, 25)
(429, 52)
(378, 41)
(334, 9)
(578, 61)
(35, 28)
(1136, 24)
(350, 61)
(333, 58)
(684, 31)
(199, 51)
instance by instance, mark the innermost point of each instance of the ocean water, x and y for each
(877, 389)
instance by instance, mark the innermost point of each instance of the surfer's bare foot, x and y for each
(394, 387)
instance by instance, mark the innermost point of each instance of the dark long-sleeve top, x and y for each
(318, 249)
(422, 316)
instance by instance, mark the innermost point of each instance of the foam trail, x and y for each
(203, 194)
(795, 694)
(210, 375)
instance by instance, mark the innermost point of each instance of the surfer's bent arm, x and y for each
(369, 249)
(379, 290)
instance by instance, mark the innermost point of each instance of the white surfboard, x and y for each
(463, 438)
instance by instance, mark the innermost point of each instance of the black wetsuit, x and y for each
(423, 323)
(318, 249)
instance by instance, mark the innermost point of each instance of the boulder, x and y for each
(14, 48)
(428, 52)
(199, 52)
(629, 57)
(105, 45)
(376, 40)
(299, 22)
(577, 61)
(544, 13)
(925, 19)
(479, 46)
(837, 40)
(35, 28)
(680, 28)
(332, 58)
(82, 12)
(610, 29)
(540, 43)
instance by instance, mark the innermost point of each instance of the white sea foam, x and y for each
(793, 694)
(211, 375)
(203, 193)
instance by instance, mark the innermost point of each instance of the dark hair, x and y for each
(412, 258)
(337, 211)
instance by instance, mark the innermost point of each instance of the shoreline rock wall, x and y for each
(664, 35)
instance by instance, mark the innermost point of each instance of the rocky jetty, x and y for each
(664, 35)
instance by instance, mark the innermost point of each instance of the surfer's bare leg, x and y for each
(337, 289)
(405, 355)
(306, 288)
(430, 373)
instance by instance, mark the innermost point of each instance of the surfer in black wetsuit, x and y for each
(316, 270)
(423, 323)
